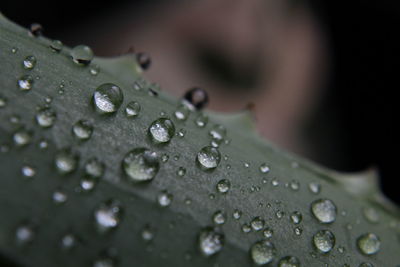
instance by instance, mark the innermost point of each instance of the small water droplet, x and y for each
(82, 130)
(298, 231)
(87, 183)
(181, 133)
(246, 228)
(289, 261)
(201, 120)
(22, 137)
(257, 224)
(29, 62)
(262, 252)
(45, 117)
(104, 262)
(107, 98)
(324, 241)
(294, 185)
(147, 233)
(108, 216)
(209, 157)
(36, 29)
(65, 161)
(369, 243)
(94, 70)
(141, 165)
(82, 54)
(279, 214)
(43, 144)
(28, 171)
(223, 186)
(314, 187)
(182, 112)
(274, 182)
(268, 232)
(237, 214)
(143, 60)
(324, 210)
(132, 109)
(56, 45)
(371, 214)
(24, 234)
(264, 168)
(3, 101)
(165, 158)
(219, 217)
(210, 241)
(94, 167)
(14, 50)
(59, 197)
(218, 132)
(68, 242)
(25, 83)
(162, 130)
(296, 217)
(196, 98)
(164, 199)
(181, 171)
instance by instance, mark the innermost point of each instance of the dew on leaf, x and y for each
(324, 241)
(262, 252)
(107, 216)
(140, 165)
(209, 157)
(66, 161)
(324, 210)
(82, 54)
(223, 186)
(29, 62)
(210, 241)
(107, 98)
(164, 199)
(45, 117)
(82, 130)
(25, 83)
(369, 243)
(162, 130)
(132, 109)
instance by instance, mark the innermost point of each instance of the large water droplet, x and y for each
(132, 109)
(141, 165)
(25, 83)
(82, 54)
(324, 241)
(196, 98)
(108, 98)
(262, 252)
(29, 62)
(210, 241)
(223, 186)
(45, 117)
(162, 130)
(369, 243)
(209, 157)
(324, 210)
(289, 261)
(82, 130)
(66, 162)
(108, 216)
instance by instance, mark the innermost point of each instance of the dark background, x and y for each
(355, 125)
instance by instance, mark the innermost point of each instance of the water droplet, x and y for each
(29, 62)
(25, 83)
(143, 60)
(209, 157)
(165, 158)
(223, 186)
(314, 187)
(274, 182)
(182, 112)
(369, 243)
(294, 185)
(246, 228)
(181, 133)
(59, 197)
(104, 262)
(210, 241)
(181, 171)
(28, 171)
(324, 241)
(14, 50)
(262, 252)
(94, 70)
(22, 137)
(268, 232)
(24, 234)
(36, 29)
(147, 233)
(108, 98)
(164, 199)
(257, 224)
(3, 101)
(82, 130)
(94, 167)
(68, 242)
(108, 215)
(141, 165)
(56, 45)
(219, 217)
(87, 183)
(132, 109)
(264, 168)
(162, 130)
(43, 144)
(196, 98)
(66, 162)
(279, 214)
(371, 214)
(218, 132)
(82, 54)
(237, 214)
(296, 217)
(45, 117)
(298, 231)
(201, 120)
(324, 210)
(289, 261)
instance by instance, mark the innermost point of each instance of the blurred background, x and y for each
(321, 74)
